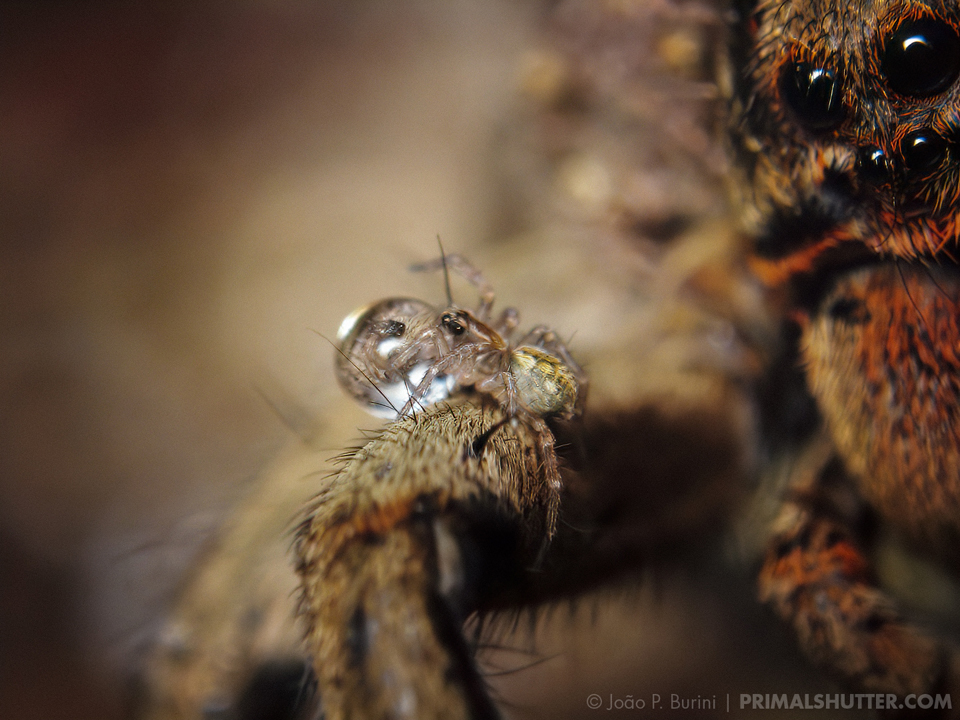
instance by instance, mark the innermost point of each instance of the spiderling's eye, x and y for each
(921, 57)
(814, 93)
(923, 150)
(452, 324)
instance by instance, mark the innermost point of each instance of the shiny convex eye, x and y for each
(921, 57)
(814, 93)
(874, 164)
(453, 323)
(923, 150)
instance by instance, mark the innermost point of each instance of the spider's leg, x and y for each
(511, 396)
(395, 554)
(547, 339)
(468, 272)
(419, 392)
(817, 576)
(507, 322)
(552, 484)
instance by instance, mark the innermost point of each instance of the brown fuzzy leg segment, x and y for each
(385, 584)
(817, 578)
(386, 642)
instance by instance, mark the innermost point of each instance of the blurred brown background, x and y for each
(186, 190)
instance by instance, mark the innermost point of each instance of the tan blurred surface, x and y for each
(186, 191)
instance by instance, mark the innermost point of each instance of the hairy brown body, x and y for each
(846, 123)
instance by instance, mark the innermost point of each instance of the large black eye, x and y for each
(921, 57)
(814, 93)
(923, 150)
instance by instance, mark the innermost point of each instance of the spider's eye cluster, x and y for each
(918, 57)
(815, 94)
(921, 57)
(453, 324)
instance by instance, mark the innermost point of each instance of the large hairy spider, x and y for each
(846, 123)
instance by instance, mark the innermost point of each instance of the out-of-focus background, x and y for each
(187, 192)
(190, 193)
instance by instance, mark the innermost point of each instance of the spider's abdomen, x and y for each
(545, 385)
